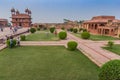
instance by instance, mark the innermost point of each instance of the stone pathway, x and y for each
(43, 43)
(93, 50)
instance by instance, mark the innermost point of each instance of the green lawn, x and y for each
(45, 63)
(115, 49)
(97, 37)
(42, 36)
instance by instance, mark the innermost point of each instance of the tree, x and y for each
(110, 44)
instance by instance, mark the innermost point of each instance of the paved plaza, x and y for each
(92, 49)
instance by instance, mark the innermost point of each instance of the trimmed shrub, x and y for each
(62, 35)
(71, 29)
(63, 28)
(32, 30)
(22, 37)
(80, 29)
(38, 28)
(85, 35)
(110, 44)
(45, 28)
(84, 30)
(13, 43)
(75, 30)
(110, 70)
(72, 45)
(52, 29)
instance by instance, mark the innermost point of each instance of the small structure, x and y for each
(21, 19)
(3, 22)
(104, 25)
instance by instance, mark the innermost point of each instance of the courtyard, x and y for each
(43, 59)
(59, 40)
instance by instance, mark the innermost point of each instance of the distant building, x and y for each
(67, 25)
(3, 22)
(104, 25)
(21, 19)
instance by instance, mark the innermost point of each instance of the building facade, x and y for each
(104, 25)
(21, 19)
(3, 22)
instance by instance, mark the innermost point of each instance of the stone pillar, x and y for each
(101, 31)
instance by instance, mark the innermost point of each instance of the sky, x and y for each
(54, 11)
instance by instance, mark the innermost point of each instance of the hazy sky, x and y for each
(56, 10)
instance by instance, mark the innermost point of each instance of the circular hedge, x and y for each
(52, 29)
(80, 29)
(13, 43)
(75, 30)
(22, 37)
(85, 35)
(38, 28)
(72, 45)
(63, 28)
(62, 35)
(110, 70)
(71, 29)
(32, 30)
(84, 30)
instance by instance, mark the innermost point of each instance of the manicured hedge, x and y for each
(32, 30)
(85, 35)
(22, 37)
(110, 70)
(84, 30)
(72, 45)
(13, 43)
(80, 29)
(52, 29)
(71, 29)
(63, 28)
(62, 35)
(38, 28)
(75, 30)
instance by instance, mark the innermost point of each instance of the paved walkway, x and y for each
(92, 49)
(43, 43)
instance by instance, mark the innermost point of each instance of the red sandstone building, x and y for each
(21, 19)
(3, 22)
(104, 25)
